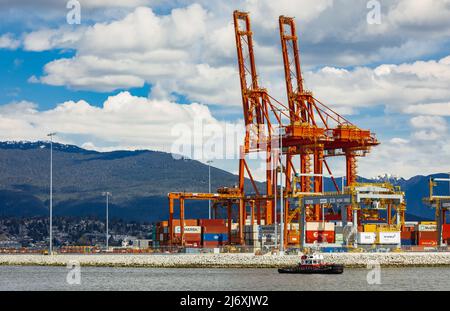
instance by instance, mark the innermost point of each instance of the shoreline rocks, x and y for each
(247, 260)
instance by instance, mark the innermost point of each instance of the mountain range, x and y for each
(138, 180)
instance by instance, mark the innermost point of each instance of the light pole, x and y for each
(281, 132)
(209, 186)
(107, 194)
(51, 192)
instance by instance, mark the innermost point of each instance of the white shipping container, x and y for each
(366, 237)
(427, 227)
(389, 237)
(319, 226)
(189, 229)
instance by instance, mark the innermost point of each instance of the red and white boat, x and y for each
(313, 264)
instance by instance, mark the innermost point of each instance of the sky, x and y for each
(162, 75)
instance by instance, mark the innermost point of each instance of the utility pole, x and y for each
(50, 250)
(209, 187)
(107, 194)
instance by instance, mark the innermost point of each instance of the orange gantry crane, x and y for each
(312, 131)
(307, 129)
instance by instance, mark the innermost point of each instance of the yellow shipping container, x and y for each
(428, 223)
(387, 228)
(370, 228)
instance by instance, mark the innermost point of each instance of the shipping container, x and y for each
(427, 227)
(388, 237)
(215, 229)
(211, 222)
(445, 232)
(319, 226)
(319, 236)
(427, 238)
(210, 244)
(407, 242)
(370, 228)
(366, 237)
(189, 229)
(220, 237)
(187, 222)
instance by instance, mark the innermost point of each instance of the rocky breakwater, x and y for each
(226, 260)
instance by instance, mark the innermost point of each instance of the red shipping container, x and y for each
(211, 244)
(329, 217)
(319, 236)
(211, 222)
(445, 231)
(425, 242)
(215, 229)
(187, 222)
(190, 236)
(427, 238)
(192, 243)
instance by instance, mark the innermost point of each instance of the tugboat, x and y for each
(313, 264)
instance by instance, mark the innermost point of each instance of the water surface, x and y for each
(106, 278)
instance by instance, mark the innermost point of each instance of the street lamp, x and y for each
(51, 192)
(107, 194)
(281, 133)
(209, 186)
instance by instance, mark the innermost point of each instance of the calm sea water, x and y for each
(92, 278)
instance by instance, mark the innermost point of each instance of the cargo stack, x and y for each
(251, 235)
(409, 234)
(267, 234)
(214, 232)
(161, 234)
(320, 232)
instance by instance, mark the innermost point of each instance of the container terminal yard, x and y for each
(293, 212)
(297, 139)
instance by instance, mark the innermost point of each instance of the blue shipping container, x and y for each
(219, 237)
(406, 242)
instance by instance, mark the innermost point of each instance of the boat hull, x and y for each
(323, 269)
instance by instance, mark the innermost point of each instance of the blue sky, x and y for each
(134, 71)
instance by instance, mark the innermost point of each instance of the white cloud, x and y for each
(436, 109)
(401, 87)
(125, 122)
(7, 41)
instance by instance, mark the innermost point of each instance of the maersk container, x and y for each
(189, 229)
